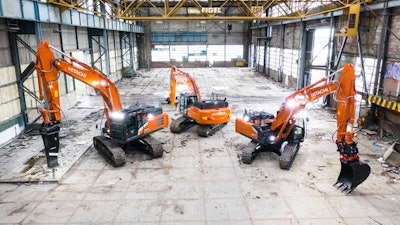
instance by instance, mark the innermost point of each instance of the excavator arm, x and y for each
(178, 75)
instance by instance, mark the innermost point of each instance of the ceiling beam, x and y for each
(246, 10)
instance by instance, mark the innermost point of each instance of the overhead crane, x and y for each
(227, 10)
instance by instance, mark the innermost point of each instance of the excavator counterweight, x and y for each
(283, 133)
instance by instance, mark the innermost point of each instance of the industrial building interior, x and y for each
(197, 112)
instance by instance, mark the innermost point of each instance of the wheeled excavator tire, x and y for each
(110, 150)
(288, 155)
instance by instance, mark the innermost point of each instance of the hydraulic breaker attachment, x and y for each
(51, 143)
(351, 175)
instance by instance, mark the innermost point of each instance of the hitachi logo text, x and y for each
(80, 73)
(319, 92)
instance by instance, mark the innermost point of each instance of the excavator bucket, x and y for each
(351, 175)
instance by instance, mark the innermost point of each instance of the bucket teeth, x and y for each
(343, 186)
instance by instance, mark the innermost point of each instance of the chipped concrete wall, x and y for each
(69, 40)
(394, 42)
(391, 86)
(284, 53)
(11, 122)
(115, 55)
(287, 55)
(9, 99)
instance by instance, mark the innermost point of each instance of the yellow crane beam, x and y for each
(264, 10)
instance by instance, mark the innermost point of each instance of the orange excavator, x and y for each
(210, 115)
(284, 133)
(132, 125)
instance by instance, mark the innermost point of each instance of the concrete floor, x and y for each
(198, 180)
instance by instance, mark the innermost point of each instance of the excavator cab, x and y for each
(131, 126)
(298, 132)
(185, 101)
(127, 124)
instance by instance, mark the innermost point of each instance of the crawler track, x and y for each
(249, 152)
(110, 150)
(288, 155)
(151, 146)
(181, 124)
(208, 130)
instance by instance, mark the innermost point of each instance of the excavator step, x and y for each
(110, 150)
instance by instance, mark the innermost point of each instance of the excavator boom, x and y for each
(283, 132)
(182, 77)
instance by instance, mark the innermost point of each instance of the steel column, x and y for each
(17, 65)
(281, 54)
(107, 52)
(302, 57)
(382, 50)
(362, 62)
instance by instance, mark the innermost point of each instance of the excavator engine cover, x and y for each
(211, 104)
(259, 118)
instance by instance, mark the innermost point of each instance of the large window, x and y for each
(216, 53)
(260, 55)
(290, 57)
(234, 52)
(179, 53)
(274, 58)
(160, 53)
(369, 67)
(195, 53)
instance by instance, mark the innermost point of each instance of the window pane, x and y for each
(160, 53)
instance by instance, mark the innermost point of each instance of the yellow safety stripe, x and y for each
(383, 102)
